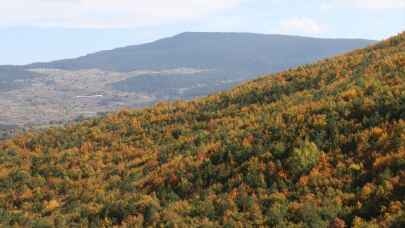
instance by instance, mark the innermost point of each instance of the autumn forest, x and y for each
(321, 145)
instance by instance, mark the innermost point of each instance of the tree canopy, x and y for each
(322, 145)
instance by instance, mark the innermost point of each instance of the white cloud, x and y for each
(364, 4)
(106, 13)
(379, 4)
(301, 25)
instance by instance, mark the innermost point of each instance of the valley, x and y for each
(58, 96)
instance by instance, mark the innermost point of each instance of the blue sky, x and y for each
(43, 30)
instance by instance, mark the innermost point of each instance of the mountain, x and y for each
(181, 67)
(321, 145)
(224, 56)
(255, 53)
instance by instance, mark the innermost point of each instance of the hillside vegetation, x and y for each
(322, 145)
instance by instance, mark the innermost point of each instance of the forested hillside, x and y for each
(322, 145)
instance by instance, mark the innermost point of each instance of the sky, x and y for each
(44, 30)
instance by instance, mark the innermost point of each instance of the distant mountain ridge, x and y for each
(225, 57)
(252, 52)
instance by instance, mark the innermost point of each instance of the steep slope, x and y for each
(317, 146)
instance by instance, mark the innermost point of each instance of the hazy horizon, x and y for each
(173, 35)
(40, 30)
